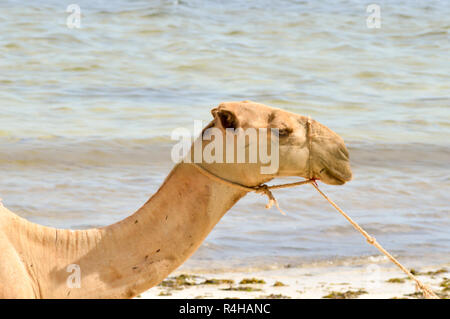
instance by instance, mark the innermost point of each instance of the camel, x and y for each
(128, 257)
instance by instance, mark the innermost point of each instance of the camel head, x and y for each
(309, 150)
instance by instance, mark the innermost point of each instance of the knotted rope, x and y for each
(265, 190)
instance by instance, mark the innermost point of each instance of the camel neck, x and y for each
(131, 256)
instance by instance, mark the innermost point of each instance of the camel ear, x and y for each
(227, 118)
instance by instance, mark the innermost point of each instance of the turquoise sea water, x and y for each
(84, 112)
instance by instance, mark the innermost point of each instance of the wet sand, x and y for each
(361, 281)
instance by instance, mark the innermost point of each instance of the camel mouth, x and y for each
(332, 177)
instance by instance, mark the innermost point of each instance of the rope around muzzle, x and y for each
(265, 189)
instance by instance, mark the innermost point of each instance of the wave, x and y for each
(396, 156)
(53, 151)
(91, 152)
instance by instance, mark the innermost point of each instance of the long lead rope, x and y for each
(427, 292)
(265, 189)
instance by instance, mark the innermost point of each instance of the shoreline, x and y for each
(362, 281)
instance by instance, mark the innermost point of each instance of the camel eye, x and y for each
(283, 132)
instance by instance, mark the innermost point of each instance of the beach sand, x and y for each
(357, 281)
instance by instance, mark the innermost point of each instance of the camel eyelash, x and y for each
(284, 131)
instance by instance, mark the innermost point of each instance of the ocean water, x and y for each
(86, 115)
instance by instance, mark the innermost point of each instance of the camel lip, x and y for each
(331, 178)
(341, 179)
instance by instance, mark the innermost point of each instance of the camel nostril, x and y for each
(344, 151)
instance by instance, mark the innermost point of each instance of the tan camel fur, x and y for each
(135, 254)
